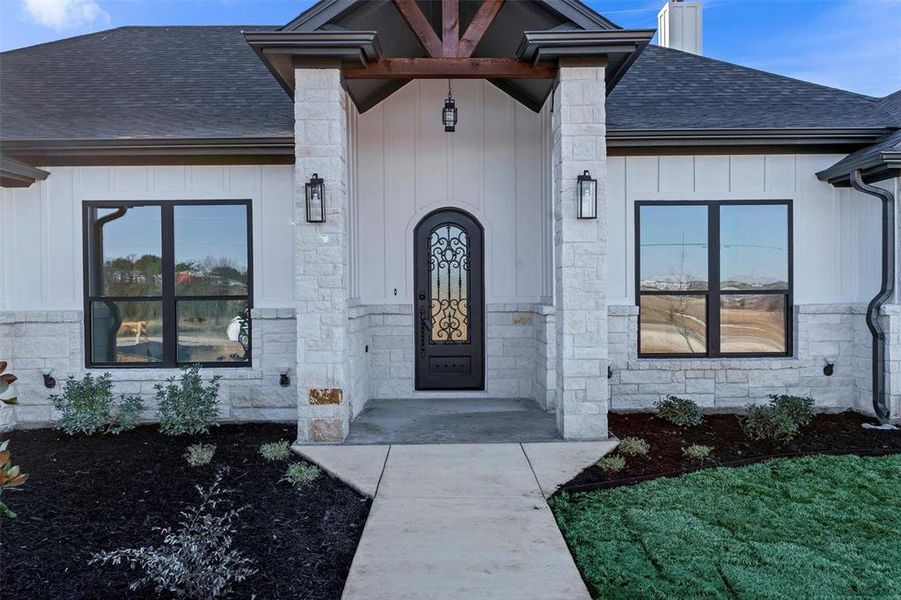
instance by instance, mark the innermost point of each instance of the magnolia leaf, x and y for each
(8, 378)
(3, 445)
(13, 472)
(5, 512)
(2, 365)
(9, 401)
(4, 457)
(19, 480)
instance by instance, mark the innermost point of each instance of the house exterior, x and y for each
(605, 223)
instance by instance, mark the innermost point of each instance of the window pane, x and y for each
(126, 254)
(752, 323)
(754, 246)
(211, 250)
(673, 324)
(126, 332)
(673, 247)
(213, 331)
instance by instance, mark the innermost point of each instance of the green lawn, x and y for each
(824, 527)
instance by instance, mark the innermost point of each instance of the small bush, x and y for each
(194, 561)
(200, 454)
(188, 406)
(697, 451)
(633, 446)
(11, 477)
(766, 422)
(799, 409)
(273, 451)
(679, 411)
(88, 406)
(612, 464)
(780, 420)
(301, 475)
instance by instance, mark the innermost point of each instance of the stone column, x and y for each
(321, 256)
(580, 252)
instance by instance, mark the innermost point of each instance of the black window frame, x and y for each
(713, 293)
(168, 298)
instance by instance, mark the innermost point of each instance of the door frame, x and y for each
(476, 329)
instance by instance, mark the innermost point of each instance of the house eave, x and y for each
(15, 173)
(255, 150)
(675, 138)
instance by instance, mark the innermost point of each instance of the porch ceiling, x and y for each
(369, 37)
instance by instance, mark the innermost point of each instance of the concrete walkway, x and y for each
(460, 520)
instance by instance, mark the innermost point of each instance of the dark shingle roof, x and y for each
(880, 157)
(186, 82)
(670, 89)
(142, 82)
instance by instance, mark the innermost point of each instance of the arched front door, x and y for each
(449, 288)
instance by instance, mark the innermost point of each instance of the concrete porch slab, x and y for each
(450, 548)
(555, 463)
(360, 467)
(458, 471)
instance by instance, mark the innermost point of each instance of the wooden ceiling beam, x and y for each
(450, 27)
(480, 23)
(421, 27)
(457, 68)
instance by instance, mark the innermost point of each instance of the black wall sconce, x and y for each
(829, 369)
(315, 190)
(283, 379)
(609, 372)
(49, 381)
(449, 112)
(588, 196)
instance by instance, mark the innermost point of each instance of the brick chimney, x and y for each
(679, 26)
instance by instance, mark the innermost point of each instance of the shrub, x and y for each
(194, 561)
(697, 451)
(188, 406)
(276, 450)
(766, 422)
(679, 411)
(301, 475)
(10, 477)
(6, 380)
(799, 409)
(200, 454)
(88, 406)
(633, 446)
(612, 464)
(780, 420)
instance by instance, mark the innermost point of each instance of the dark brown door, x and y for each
(449, 288)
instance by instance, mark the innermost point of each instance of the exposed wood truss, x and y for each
(476, 30)
(454, 68)
(412, 14)
(450, 56)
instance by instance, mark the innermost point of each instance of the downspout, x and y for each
(885, 292)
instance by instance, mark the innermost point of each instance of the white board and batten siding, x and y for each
(41, 229)
(836, 230)
(495, 165)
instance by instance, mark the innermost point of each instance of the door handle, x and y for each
(425, 325)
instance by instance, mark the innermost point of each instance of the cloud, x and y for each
(66, 14)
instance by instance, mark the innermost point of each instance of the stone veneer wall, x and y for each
(31, 341)
(836, 332)
(516, 347)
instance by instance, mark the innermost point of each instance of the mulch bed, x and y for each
(104, 492)
(827, 434)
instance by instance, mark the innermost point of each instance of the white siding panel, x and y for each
(836, 232)
(42, 230)
(491, 166)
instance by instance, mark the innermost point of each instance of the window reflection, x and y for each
(673, 247)
(213, 331)
(673, 324)
(752, 323)
(126, 331)
(211, 250)
(754, 246)
(127, 252)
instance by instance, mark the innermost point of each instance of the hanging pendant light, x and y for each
(449, 114)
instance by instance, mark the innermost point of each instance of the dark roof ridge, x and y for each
(121, 27)
(770, 73)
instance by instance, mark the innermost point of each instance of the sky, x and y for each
(849, 44)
